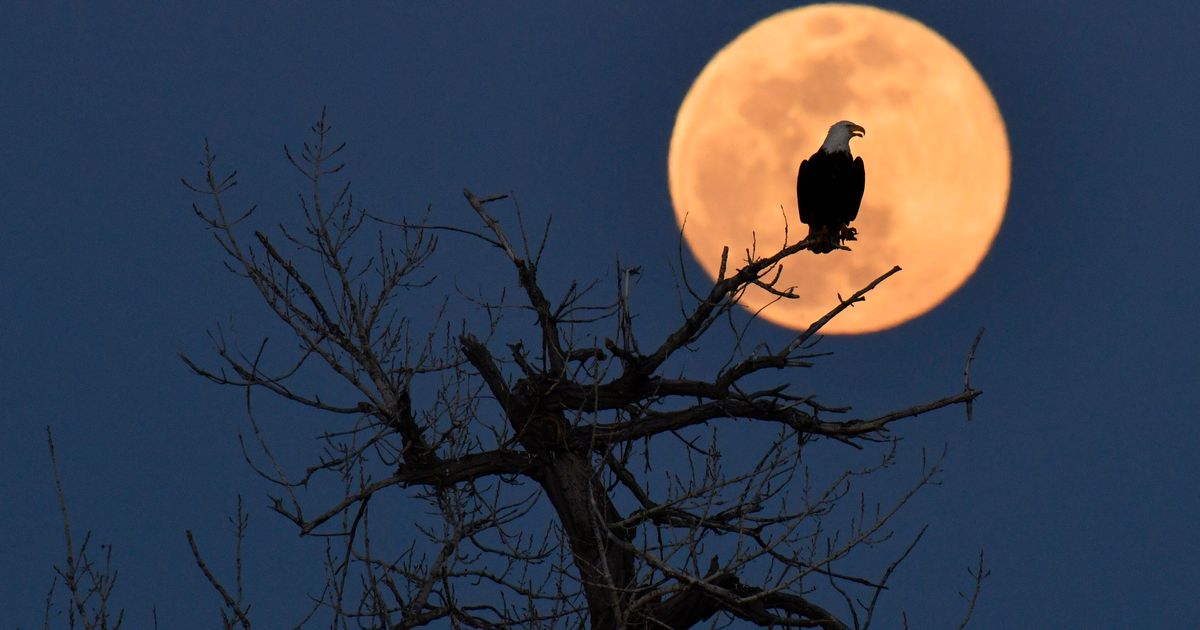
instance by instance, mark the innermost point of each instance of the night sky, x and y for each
(1077, 476)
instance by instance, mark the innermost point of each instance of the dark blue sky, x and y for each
(1078, 477)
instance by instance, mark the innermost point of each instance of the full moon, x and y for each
(936, 154)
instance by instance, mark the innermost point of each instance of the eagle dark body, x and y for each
(829, 189)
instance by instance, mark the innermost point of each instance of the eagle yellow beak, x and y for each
(857, 131)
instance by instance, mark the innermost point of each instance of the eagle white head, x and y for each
(839, 136)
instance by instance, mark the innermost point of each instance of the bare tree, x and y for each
(567, 473)
(88, 583)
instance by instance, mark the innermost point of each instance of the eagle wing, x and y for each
(805, 188)
(854, 189)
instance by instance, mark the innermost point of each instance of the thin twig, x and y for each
(230, 602)
(967, 373)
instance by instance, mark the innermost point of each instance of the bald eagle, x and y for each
(829, 188)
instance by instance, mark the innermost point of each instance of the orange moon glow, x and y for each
(936, 154)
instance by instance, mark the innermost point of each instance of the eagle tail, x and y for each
(823, 239)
